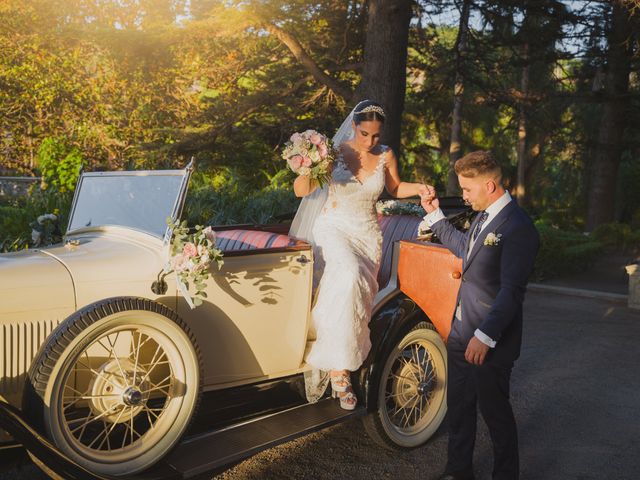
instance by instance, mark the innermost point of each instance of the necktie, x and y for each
(483, 218)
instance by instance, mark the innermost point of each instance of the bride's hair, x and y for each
(367, 111)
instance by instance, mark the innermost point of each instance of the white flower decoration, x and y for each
(492, 239)
(36, 237)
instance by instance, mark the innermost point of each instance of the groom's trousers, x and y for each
(486, 385)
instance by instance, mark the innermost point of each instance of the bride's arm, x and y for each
(303, 186)
(396, 187)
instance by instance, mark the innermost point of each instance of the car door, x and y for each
(430, 275)
(254, 322)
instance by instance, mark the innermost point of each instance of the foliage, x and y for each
(16, 217)
(618, 236)
(563, 252)
(59, 165)
(125, 85)
(222, 200)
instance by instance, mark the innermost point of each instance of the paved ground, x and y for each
(576, 395)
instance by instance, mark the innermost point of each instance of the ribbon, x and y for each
(185, 292)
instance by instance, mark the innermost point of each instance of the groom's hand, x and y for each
(429, 199)
(476, 351)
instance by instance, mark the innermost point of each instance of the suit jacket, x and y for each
(494, 280)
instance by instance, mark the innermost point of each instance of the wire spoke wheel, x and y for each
(116, 397)
(411, 400)
(123, 389)
(411, 386)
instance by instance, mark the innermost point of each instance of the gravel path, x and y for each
(575, 391)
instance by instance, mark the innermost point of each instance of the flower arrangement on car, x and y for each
(310, 153)
(45, 230)
(399, 207)
(190, 257)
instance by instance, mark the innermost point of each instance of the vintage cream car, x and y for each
(102, 377)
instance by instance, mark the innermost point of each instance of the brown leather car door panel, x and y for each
(430, 275)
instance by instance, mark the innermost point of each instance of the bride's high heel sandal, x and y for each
(348, 399)
(340, 383)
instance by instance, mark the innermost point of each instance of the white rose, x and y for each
(210, 234)
(36, 237)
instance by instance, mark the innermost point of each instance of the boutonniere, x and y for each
(492, 239)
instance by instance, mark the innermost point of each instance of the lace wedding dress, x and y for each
(348, 242)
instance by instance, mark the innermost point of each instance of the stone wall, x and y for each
(16, 186)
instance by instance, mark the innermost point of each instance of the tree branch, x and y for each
(307, 62)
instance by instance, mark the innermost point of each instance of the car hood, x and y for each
(110, 262)
(34, 286)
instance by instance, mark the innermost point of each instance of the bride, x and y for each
(340, 221)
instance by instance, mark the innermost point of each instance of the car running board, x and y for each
(211, 451)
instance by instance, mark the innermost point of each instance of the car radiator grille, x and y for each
(19, 344)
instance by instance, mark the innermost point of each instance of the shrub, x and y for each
(564, 252)
(19, 217)
(221, 200)
(59, 164)
(617, 235)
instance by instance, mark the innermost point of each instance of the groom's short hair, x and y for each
(480, 162)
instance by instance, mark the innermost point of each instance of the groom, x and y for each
(497, 254)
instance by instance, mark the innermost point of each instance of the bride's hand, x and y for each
(303, 185)
(429, 199)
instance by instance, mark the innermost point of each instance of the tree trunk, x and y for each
(521, 150)
(455, 146)
(606, 162)
(384, 76)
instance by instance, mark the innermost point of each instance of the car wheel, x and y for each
(116, 385)
(411, 396)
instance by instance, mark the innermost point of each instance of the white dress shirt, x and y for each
(492, 210)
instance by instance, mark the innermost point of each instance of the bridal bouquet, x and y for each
(191, 255)
(310, 153)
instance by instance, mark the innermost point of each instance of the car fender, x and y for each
(394, 318)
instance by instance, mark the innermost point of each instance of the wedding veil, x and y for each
(315, 380)
(311, 205)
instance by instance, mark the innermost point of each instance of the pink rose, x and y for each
(306, 162)
(200, 267)
(295, 162)
(295, 137)
(210, 234)
(323, 150)
(177, 263)
(190, 250)
(315, 138)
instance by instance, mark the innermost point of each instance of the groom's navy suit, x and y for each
(494, 278)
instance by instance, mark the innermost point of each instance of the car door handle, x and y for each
(302, 259)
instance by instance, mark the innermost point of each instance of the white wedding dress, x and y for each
(348, 242)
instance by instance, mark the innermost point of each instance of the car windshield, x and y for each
(139, 200)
